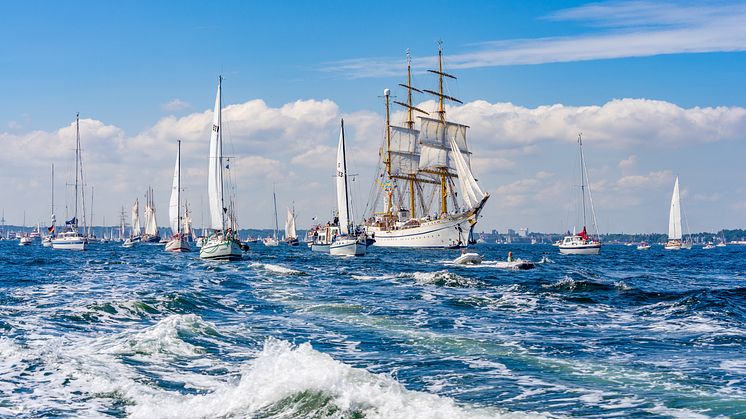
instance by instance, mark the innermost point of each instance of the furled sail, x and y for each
(136, 218)
(290, 225)
(435, 150)
(173, 205)
(215, 169)
(470, 191)
(674, 217)
(405, 151)
(342, 208)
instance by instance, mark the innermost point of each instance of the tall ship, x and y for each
(71, 239)
(425, 194)
(222, 242)
(151, 226)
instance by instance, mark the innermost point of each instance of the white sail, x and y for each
(342, 208)
(435, 150)
(471, 193)
(136, 218)
(405, 151)
(173, 206)
(674, 217)
(290, 225)
(187, 227)
(151, 227)
(215, 169)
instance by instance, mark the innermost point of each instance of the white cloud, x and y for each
(650, 180)
(628, 29)
(628, 164)
(176, 105)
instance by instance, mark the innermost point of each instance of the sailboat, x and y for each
(291, 236)
(70, 239)
(581, 243)
(675, 237)
(47, 240)
(223, 242)
(25, 239)
(721, 242)
(273, 241)
(134, 237)
(151, 226)
(179, 240)
(348, 242)
(418, 165)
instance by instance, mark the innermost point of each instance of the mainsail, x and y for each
(290, 225)
(674, 217)
(470, 191)
(215, 168)
(342, 203)
(173, 206)
(136, 218)
(151, 227)
(435, 137)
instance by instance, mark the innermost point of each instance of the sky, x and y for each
(658, 90)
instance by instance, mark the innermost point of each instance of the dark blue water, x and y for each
(397, 333)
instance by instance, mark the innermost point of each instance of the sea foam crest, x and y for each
(298, 381)
(167, 337)
(276, 269)
(443, 278)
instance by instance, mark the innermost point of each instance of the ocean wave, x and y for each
(278, 269)
(443, 278)
(167, 337)
(298, 381)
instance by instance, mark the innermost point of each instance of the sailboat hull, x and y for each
(220, 250)
(590, 249)
(448, 232)
(69, 243)
(178, 245)
(347, 247)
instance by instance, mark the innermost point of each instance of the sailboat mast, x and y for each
(410, 125)
(178, 188)
(389, 193)
(220, 146)
(90, 227)
(274, 201)
(442, 113)
(53, 220)
(582, 172)
(77, 155)
(344, 167)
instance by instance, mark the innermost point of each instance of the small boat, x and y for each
(582, 243)
(708, 246)
(291, 236)
(468, 259)
(179, 239)
(71, 239)
(270, 241)
(223, 243)
(46, 241)
(130, 242)
(515, 264)
(643, 246)
(349, 242)
(25, 240)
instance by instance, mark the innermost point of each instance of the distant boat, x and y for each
(349, 242)
(581, 243)
(273, 241)
(223, 242)
(708, 246)
(47, 240)
(643, 246)
(291, 236)
(151, 226)
(178, 241)
(71, 239)
(675, 237)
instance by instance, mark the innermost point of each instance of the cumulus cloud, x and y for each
(176, 105)
(628, 164)
(650, 180)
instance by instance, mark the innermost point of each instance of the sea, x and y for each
(115, 332)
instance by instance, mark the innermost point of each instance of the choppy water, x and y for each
(398, 333)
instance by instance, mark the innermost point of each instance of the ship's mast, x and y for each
(387, 161)
(178, 190)
(220, 141)
(77, 155)
(582, 178)
(442, 113)
(410, 125)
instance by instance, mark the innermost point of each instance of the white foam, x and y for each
(443, 277)
(278, 269)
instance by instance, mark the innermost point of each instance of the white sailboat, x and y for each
(70, 239)
(151, 226)
(675, 236)
(581, 243)
(135, 236)
(47, 240)
(349, 242)
(418, 165)
(179, 240)
(223, 242)
(291, 235)
(273, 241)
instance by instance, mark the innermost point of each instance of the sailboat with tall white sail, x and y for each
(71, 239)
(47, 240)
(223, 241)
(151, 226)
(273, 240)
(423, 197)
(582, 243)
(179, 240)
(291, 235)
(349, 241)
(675, 236)
(135, 236)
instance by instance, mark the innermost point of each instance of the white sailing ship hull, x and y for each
(586, 249)
(322, 248)
(448, 232)
(178, 245)
(220, 250)
(347, 247)
(69, 243)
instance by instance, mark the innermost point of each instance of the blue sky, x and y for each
(132, 67)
